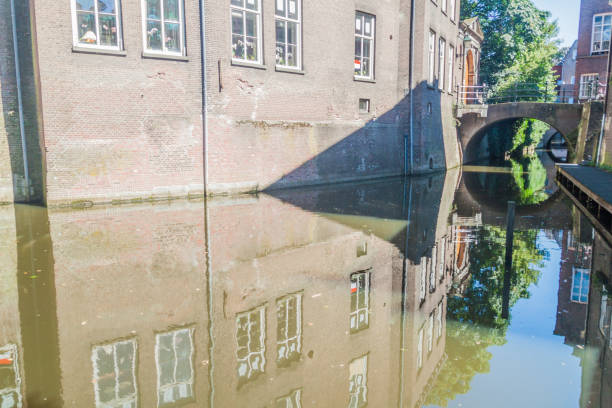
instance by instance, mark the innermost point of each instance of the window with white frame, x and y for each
(10, 379)
(96, 23)
(452, 7)
(174, 360)
(442, 258)
(430, 333)
(451, 68)
(164, 26)
(423, 282)
(288, 33)
(603, 312)
(358, 382)
(432, 58)
(439, 313)
(432, 271)
(420, 348)
(289, 328)
(250, 338)
(291, 400)
(114, 367)
(444, 6)
(589, 86)
(602, 29)
(246, 31)
(360, 301)
(580, 285)
(364, 45)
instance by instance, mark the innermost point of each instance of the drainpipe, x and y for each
(204, 104)
(411, 88)
(24, 150)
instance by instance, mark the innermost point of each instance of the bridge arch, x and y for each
(565, 118)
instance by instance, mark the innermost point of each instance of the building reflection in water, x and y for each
(343, 296)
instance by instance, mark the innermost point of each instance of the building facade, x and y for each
(567, 78)
(594, 31)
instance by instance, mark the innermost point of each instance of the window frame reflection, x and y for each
(118, 400)
(288, 335)
(359, 317)
(251, 373)
(180, 385)
(9, 364)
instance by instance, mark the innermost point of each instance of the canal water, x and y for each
(388, 293)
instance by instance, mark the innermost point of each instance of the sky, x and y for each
(566, 12)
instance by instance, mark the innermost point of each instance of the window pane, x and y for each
(251, 24)
(292, 55)
(293, 9)
(238, 46)
(366, 48)
(106, 6)
(358, 24)
(368, 27)
(86, 5)
(153, 9)
(183, 351)
(239, 3)
(173, 37)
(171, 10)
(292, 33)
(87, 28)
(280, 54)
(280, 8)
(154, 35)
(252, 4)
(280, 31)
(165, 359)
(108, 30)
(357, 46)
(251, 48)
(237, 22)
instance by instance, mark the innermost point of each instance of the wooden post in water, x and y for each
(508, 262)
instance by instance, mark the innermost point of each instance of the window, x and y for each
(292, 400)
(430, 332)
(439, 312)
(360, 301)
(603, 311)
(432, 58)
(420, 349)
(289, 329)
(444, 6)
(358, 382)
(600, 42)
(432, 272)
(451, 68)
(164, 26)
(174, 360)
(441, 258)
(423, 285)
(96, 24)
(288, 34)
(364, 106)
(589, 85)
(115, 374)
(250, 337)
(452, 8)
(580, 285)
(10, 381)
(573, 80)
(364, 45)
(246, 31)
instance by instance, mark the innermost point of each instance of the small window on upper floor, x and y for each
(288, 17)
(602, 29)
(364, 106)
(364, 45)
(96, 24)
(163, 27)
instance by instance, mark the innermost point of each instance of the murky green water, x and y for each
(380, 294)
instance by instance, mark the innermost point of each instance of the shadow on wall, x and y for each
(381, 148)
(12, 149)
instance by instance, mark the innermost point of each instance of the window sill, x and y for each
(152, 55)
(290, 70)
(366, 80)
(245, 64)
(101, 51)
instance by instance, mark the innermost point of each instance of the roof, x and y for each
(473, 26)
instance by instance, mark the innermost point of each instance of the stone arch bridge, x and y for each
(573, 121)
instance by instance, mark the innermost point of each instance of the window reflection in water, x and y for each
(360, 301)
(292, 400)
(289, 329)
(174, 359)
(115, 374)
(250, 336)
(358, 387)
(10, 381)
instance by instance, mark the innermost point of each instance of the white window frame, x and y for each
(372, 39)
(258, 14)
(432, 58)
(162, 21)
(358, 382)
(452, 7)
(75, 30)
(583, 272)
(420, 340)
(583, 91)
(186, 385)
(298, 23)
(600, 39)
(287, 340)
(291, 400)
(360, 316)
(439, 313)
(430, 333)
(251, 373)
(451, 68)
(10, 352)
(117, 402)
(441, 63)
(444, 6)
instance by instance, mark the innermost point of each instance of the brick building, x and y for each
(567, 78)
(594, 31)
(296, 92)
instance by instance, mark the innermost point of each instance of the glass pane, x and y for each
(106, 6)
(365, 70)
(104, 361)
(171, 10)
(292, 56)
(173, 37)
(238, 46)
(252, 4)
(598, 20)
(153, 9)
(358, 47)
(281, 10)
(368, 26)
(154, 35)
(106, 387)
(293, 9)
(86, 5)
(86, 28)
(281, 59)
(292, 33)
(239, 3)
(108, 30)
(237, 22)
(358, 24)
(367, 48)
(280, 31)
(251, 24)
(607, 20)
(251, 47)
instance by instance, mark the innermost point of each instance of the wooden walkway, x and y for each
(591, 190)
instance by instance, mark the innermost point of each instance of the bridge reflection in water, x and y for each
(385, 293)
